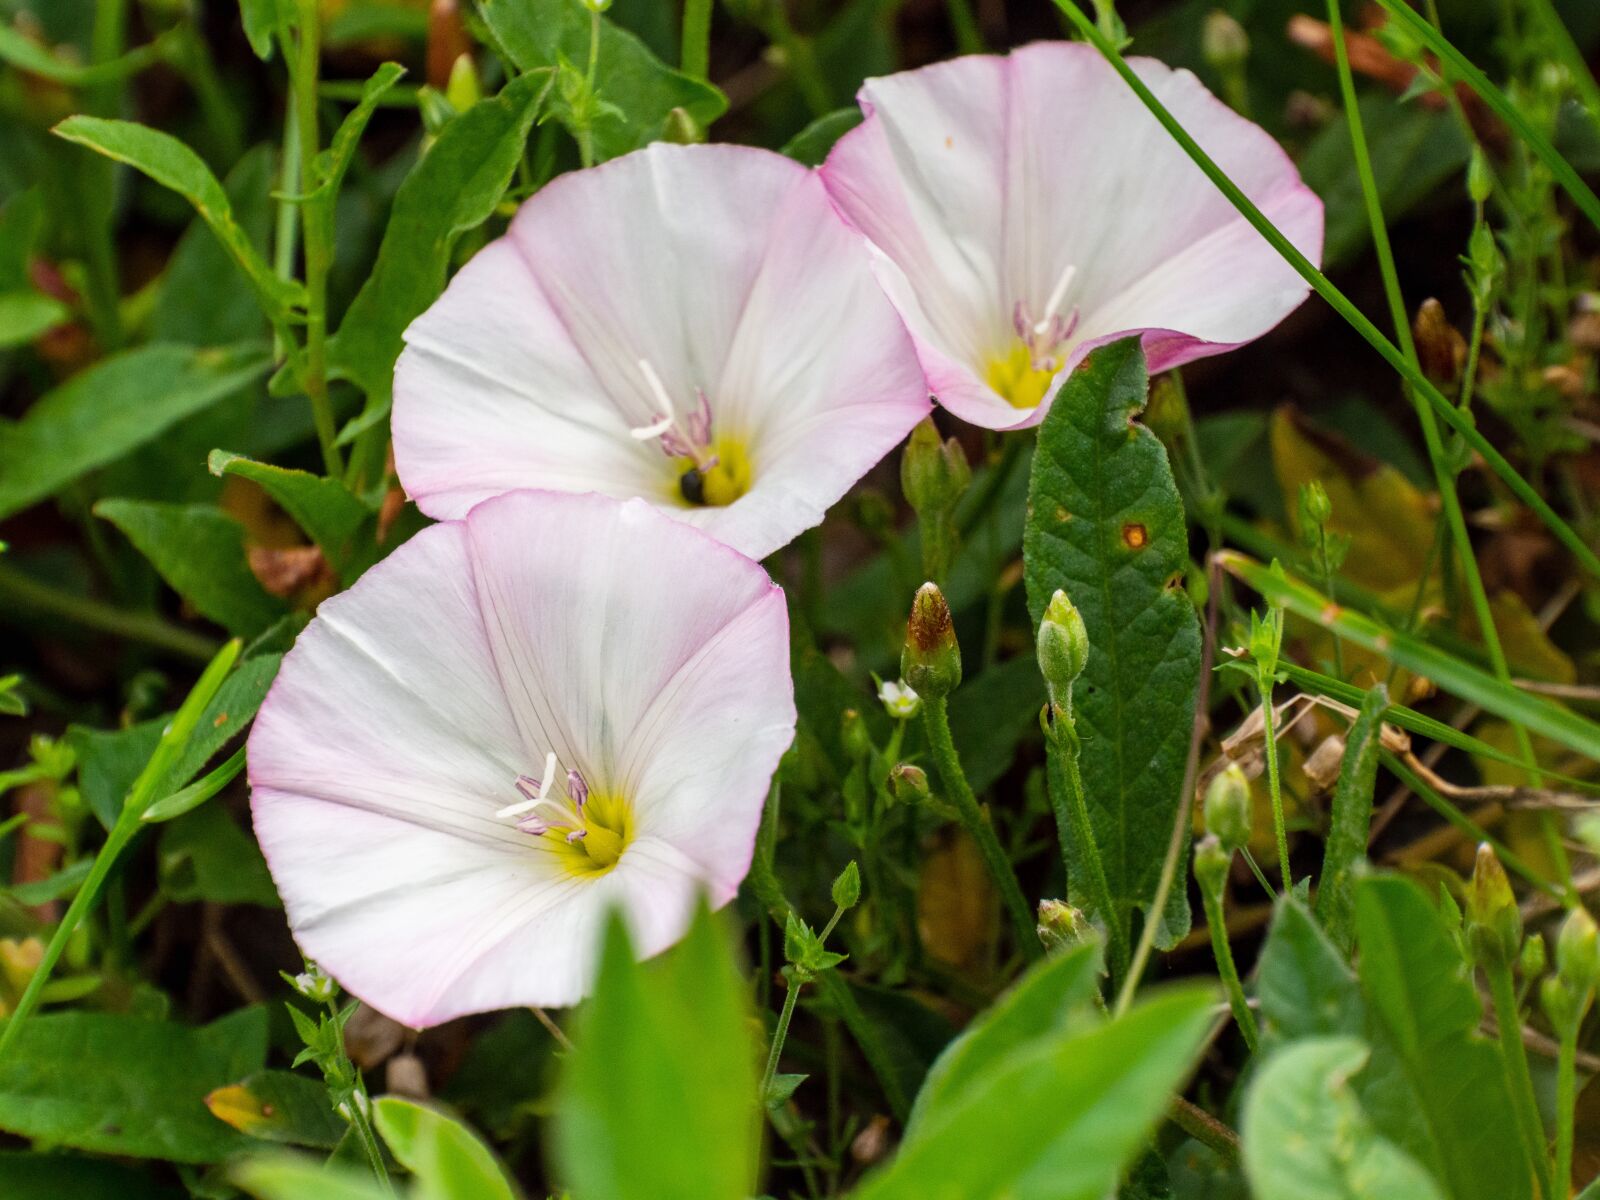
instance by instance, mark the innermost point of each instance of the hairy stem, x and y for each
(1508, 1019)
(1072, 818)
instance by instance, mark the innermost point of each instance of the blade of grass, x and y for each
(1450, 673)
(1413, 23)
(1324, 287)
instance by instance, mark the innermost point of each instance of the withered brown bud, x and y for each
(1440, 349)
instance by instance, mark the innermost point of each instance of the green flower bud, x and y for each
(931, 660)
(1480, 180)
(1061, 926)
(933, 474)
(909, 784)
(847, 888)
(1211, 864)
(1578, 951)
(1535, 957)
(1228, 808)
(1315, 507)
(682, 128)
(855, 735)
(1063, 648)
(463, 89)
(1167, 413)
(1494, 924)
(1223, 42)
(1560, 1005)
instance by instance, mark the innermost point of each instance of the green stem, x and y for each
(1341, 304)
(147, 628)
(695, 58)
(1566, 1098)
(1509, 1020)
(1072, 818)
(936, 719)
(1216, 921)
(318, 237)
(801, 62)
(780, 1034)
(969, 37)
(1444, 476)
(1274, 786)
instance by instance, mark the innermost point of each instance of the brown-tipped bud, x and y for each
(1211, 863)
(931, 660)
(1062, 926)
(1223, 42)
(1440, 349)
(1578, 951)
(1062, 647)
(1227, 808)
(933, 474)
(1494, 925)
(909, 784)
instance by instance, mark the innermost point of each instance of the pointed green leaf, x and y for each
(1106, 525)
(105, 411)
(449, 1160)
(336, 159)
(330, 513)
(1307, 1138)
(659, 1099)
(1304, 985)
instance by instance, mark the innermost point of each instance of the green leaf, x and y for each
(449, 1160)
(199, 551)
(1060, 1119)
(659, 1098)
(262, 19)
(24, 315)
(1106, 525)
(108, 409)
(27, 55)
(197, 793)
(330, 513)
(1451, 674)
(288, 1178)
(811, 145)
(1305, 987)
(172, 164)
(1350, 819)
(1433, 1085)
(128, 1086)
(336, 158)
(280, 1106)
(205, 855)
(59, 886)
(25, 1175)
(638, 88)
(1307, 1138)
(454, 188)
(992, 714)
(1039, 1007)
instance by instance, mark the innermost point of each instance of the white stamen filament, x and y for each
(516, 810)
(658, 393)
(1056, 297)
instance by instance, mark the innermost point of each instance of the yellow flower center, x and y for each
(1014, 376)
(607, 832)
(723, 482)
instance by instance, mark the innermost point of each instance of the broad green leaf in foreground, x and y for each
(330, 513)
(199, 551)
(105, 411)
(454, 188)
(1105, 524)
(1305, 987)
(449, 1160)
(279, 1106)
(25, 1175)
(1306, 1137)
(1037, 1008)
(172, 164)
(639, 90)
(659, 1099)
(294, 1178)
(126, 1085)
(1434, 1085)
(1059, 1119)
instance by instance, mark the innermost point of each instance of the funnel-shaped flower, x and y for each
(1030, 208)
(690, 324)
(558, 706)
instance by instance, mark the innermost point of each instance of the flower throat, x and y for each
(712, 470)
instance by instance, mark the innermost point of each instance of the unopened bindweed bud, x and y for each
(1211, 863)
(682, 129)
(463, 89)
(1560, 1005)
(909, 784)
(931, 660)
(854, 734)
(1223, 42)
(1441, 350)
(1227, 808)
(847, 887)
(1315, 507)
(899, 701)
(1494, 925)
(1480, 179)
(933, 474)
(1063, 648)
(1578, 951)
(1061, 926)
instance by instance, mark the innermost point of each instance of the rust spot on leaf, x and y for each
(1135, 536)
(1062, 515)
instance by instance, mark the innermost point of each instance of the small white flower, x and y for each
(899, 700)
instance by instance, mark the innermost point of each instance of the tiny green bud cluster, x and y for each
(1063, 649)
(931, 660)
(908, 783)
(1063, 926)
(1211, 864)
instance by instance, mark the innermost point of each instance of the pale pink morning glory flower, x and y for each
(1029, 208)
(690, 324)
(516, 723)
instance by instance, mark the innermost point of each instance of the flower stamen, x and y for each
(717, 470)
(589, 833)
